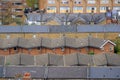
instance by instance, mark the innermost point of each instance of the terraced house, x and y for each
(63, 45)
(78, 6)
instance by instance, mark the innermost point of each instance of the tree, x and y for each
(32, 3)
(117, 47)
(7, 12)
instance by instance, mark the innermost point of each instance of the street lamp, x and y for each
(92, 14)
(67, 15)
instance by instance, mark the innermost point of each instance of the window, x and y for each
(64, 9)
(64, 2)
(77, 1)
(51, 1)
(104, 1)
(117, 1)
(19, 16)
(116, 8)
(78, 9)
(103, 9)
(119, 18)
(91, 2)
(111, 48)
(51, 9)
(17, 10)
(89, 9)
(17, 3)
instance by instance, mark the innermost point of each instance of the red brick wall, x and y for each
(56, 51)
(7, 51)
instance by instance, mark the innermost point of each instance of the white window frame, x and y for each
(103, 8)
(91, 1)
(51, 8)
(111, 48)
(77, 8)
(51, 1)
(104, 1)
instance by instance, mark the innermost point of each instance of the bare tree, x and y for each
(6, 12)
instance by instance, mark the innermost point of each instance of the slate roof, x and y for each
(8, 43)
(2, 60)
(35, 29)
(63, 28)
(29, 43)
(84, 42)
(86, 18)
(12, 59)
(99, 60)
(75, 59)
(19, 59)
(98, 28)
(113, 59)
(71, 60)
(26, 59)
(52, 43)
(49, 60)
(95, 42)
(38, 17)
(76, 42)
